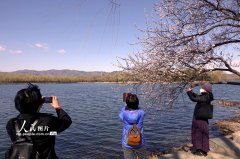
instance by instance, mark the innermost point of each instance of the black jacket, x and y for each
(202, 100)
(46, 123)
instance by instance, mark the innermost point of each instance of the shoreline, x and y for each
(230, 129)
(7, 83)
(229, 126)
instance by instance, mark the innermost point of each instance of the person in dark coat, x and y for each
(200, 131)
(28, 102)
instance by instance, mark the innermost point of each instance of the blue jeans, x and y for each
(131, 153)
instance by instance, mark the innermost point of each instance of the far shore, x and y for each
(54, 82)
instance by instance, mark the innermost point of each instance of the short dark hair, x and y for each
(28, 100)
(132, 101)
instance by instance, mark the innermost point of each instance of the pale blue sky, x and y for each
(87, 35)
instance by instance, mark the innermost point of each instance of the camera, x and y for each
(125, 95)
(47, 99)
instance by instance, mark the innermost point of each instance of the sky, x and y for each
(86, 35)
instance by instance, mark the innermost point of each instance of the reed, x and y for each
(116, 77)
(23, 78)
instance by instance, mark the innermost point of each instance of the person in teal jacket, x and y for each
(129, 115)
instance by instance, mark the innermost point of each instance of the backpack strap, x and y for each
(16, 125)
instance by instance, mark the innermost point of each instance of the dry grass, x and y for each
(229, 126)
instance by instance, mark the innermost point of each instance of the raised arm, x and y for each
(196, 98)
(63, 121)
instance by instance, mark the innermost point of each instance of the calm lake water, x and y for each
(96, 129)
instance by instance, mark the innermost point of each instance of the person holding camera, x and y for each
(42, 128)
(133, 136)
(200, 131)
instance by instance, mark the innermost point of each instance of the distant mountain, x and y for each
(64, 72)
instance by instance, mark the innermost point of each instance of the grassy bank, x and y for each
(116, 77)
(23, 78)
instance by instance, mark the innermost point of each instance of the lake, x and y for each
(96, 129)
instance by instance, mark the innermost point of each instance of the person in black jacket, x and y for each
(200, 131)
(28, 102)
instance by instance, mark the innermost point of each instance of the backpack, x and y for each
(134, 137)
(22, 147)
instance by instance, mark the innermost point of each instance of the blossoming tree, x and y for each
(183, 41)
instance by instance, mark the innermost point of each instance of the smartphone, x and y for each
(125, 96)
(47, 99)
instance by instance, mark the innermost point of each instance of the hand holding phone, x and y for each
(47, 99)
(125, 95)
(55, 103)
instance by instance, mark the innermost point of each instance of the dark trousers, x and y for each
(200, 135)
(139, 153)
